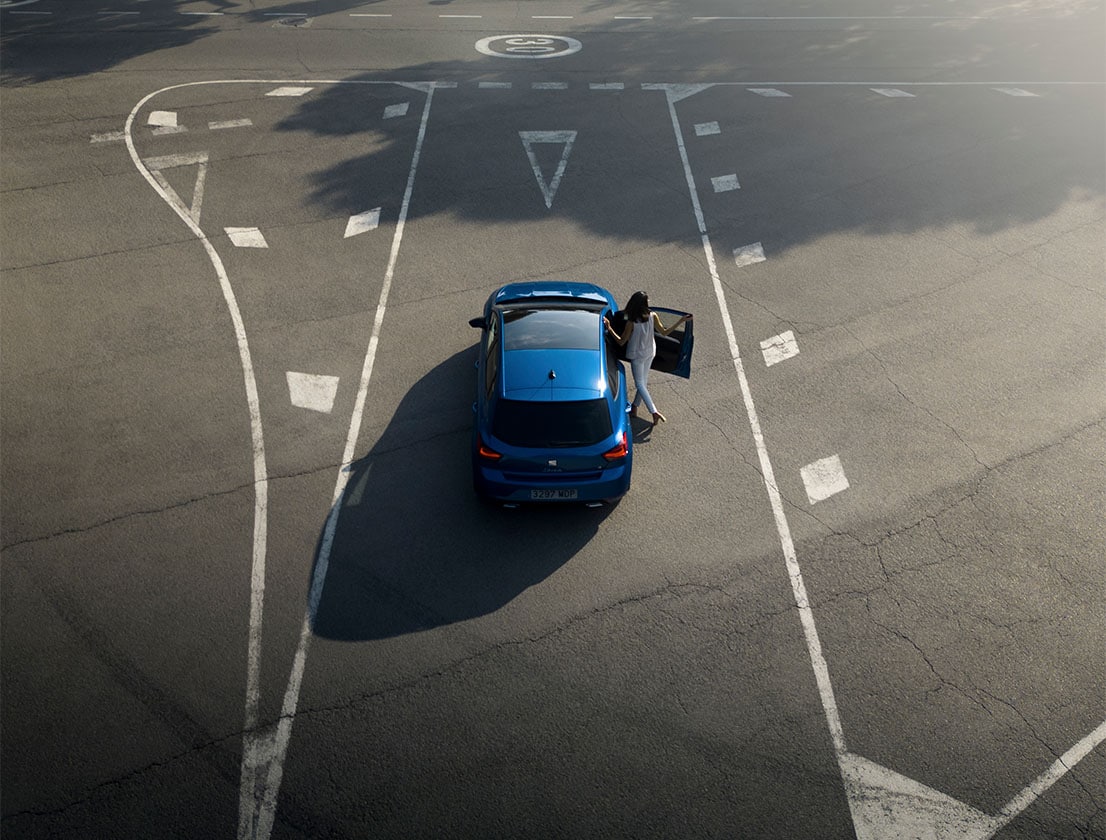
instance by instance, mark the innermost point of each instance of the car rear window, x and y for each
(540, 329)
(542, 425)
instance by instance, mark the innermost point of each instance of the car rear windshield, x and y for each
(542, 425)
(542, 329)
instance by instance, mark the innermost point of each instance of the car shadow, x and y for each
(413, 547)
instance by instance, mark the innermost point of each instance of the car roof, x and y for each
(553, 375)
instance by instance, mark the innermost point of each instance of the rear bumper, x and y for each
(612, 484)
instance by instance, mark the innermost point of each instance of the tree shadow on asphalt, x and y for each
(414, 548)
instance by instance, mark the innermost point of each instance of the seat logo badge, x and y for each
(552, 463)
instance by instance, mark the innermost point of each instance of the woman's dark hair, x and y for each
(638, 307)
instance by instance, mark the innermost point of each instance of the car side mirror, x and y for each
(479, 323)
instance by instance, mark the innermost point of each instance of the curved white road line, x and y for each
(263, 751)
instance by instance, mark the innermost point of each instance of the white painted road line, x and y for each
(246, 237)
(367, 14)
(1014, 91)
(749, 254)
(257, 808)
(824, 478)
(725, 183)
(204, 14)
(312, 391)
(198, 159)
(706, 129)
(219, 125)
(289, 91)
(779, 348)
(397, 110)
(892, 93)
(362, 222)
(494, 85)
(108, 137)
(461, 16)
(161, 130)
(549, 86)
(606, 86)
(769, 92)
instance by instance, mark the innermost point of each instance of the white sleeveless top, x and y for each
(642, 345)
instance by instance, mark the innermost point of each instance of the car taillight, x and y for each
(620, 451)
(484, 452)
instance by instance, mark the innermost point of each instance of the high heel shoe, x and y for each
(659, 418)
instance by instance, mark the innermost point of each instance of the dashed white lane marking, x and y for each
(246, 237)
(551, 17)
(219, 125)
(362, 222)
(824, 478)
(162, 130)
(529, 138)
(706, 129)
(313, 391)
(204, 14)
(366, 14)
(606, 86)
(397, 110)
(461, 16)
(549, 85)
(107, 137)
(725, 183)
(1014, 91)
(892, 93)
(769, 92)
(779, 348)
(289, 91)
(494, 85)
(633, 17)
(162, 119)
(749, 254)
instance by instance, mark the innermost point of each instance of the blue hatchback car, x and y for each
(552, 415)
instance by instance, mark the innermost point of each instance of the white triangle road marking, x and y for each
(886, 805)
(529, 138)
(197, 159)
(313, 391)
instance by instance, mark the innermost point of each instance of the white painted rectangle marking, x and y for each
(633, 17)
(366, 14)
(725, 183)
(706, 129)
(606, 86)
(1015, 91)
(769, 92)
(460, 16)
(892, 93)
(397, 110)
(289, 91)
(107, 137)
(551, 17)
(362, 222)
(218, 125)
(749, 254)
(204, 14)
(779, 348)
(313, 391)
(168, 129)
(162, 118)
(246, 237)
(495, 85)
(549, 85)
(824, 478)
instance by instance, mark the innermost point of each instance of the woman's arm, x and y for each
(660, 327)
(619, 339)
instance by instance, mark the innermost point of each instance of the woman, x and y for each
(642, 347)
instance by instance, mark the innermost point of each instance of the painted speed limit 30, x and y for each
(544, 147)
(528, 46)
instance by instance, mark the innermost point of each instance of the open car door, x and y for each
(674, 350)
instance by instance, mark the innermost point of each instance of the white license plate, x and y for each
(554, 494)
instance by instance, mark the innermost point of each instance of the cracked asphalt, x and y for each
(638, 671)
